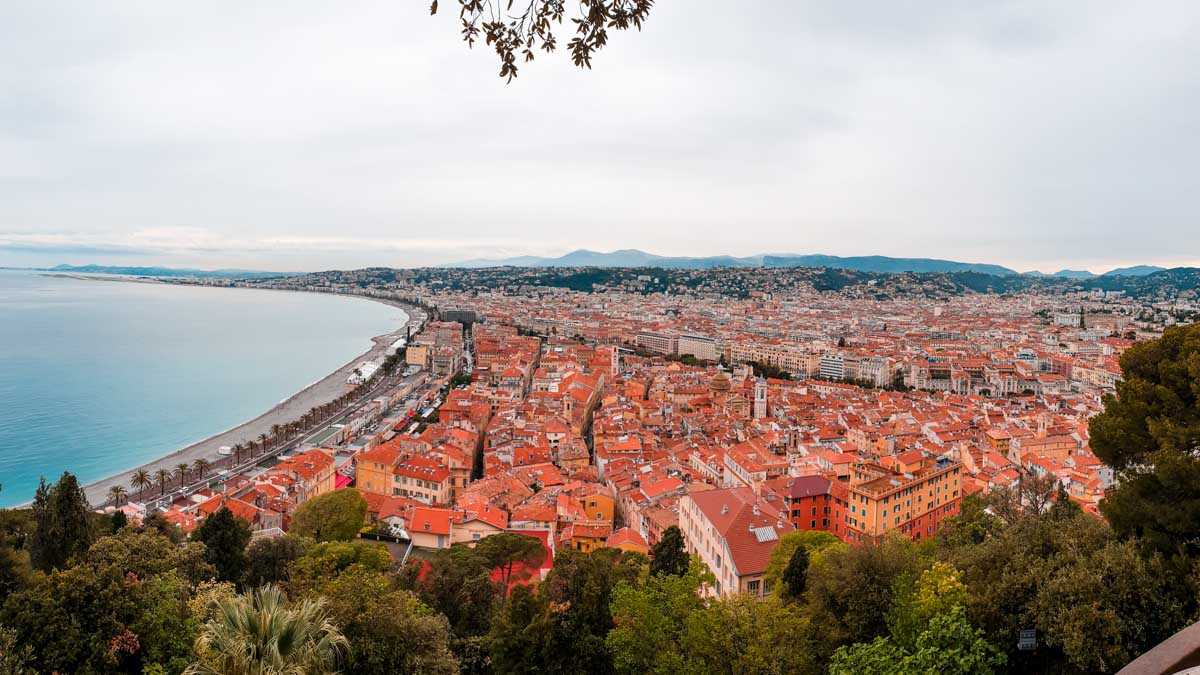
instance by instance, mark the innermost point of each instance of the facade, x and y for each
(700, 346)
(910, 497)
(733, 531)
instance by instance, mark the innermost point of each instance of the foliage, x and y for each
(667, 556)
(850, 588)
(327, 560)
(1094, 601)
(457, 582)
(15, 658)
(562, 627)
(262, 633)
(517, 34)
(814, 542)
(390, 630)
(224, 537)
(508, 551)
(62, 529)
(268, 559)
(948, 646)
(1150, 433)
(334, 516)
(795, 575)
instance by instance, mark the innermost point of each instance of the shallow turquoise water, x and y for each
(97, 377)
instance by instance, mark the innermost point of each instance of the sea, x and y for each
(97, 377)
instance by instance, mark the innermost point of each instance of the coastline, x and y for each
(289, 409)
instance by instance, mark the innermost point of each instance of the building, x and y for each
(699, 346)
(658, 343)
(911, 495)
(733, 531)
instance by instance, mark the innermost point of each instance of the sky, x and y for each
(305, 135)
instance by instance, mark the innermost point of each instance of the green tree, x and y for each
(15, 658)
(261, 633)
(795, 575)
(814, 542)
(119, 520)
(562, 629)
(743, 634)
(224, 537)
(268, 559)
(62, 529)
(949, 645)
(850, 589)
(509, 551)
(327, 560)
(1150, 433)
(668, 555)
(334, 516)
(391, 631)
(650, 620)
(1093, 600)
(457, 582)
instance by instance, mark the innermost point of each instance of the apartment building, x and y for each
(912, 494)
(733, 531)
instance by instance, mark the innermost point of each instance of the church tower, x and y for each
(760, 398)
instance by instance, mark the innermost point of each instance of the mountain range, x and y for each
(169, 272)
(872, 263)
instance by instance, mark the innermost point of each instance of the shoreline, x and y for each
(321, 391)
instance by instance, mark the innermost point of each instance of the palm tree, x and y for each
(181, 472)
(116, 493)
(140, 480)
(262, 440)
(275, 429)
(162, 477)
(260, 633)
(200, 466)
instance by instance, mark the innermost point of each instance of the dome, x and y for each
(721, 382)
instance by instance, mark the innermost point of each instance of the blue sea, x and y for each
(97, 377)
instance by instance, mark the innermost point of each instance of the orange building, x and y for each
(910, 496)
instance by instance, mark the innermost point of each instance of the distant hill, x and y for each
(1073, 274)
(636, 258)
(1135, 271)
(170, 272)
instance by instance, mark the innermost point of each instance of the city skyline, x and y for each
(315, 138)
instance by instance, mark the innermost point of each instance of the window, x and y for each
(752, 586)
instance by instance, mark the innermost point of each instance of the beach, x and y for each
(320, 392)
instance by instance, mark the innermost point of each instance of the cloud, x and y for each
(1024, 133)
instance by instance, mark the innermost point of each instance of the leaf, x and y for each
(433, 8)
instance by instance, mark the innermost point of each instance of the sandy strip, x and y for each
(289, 410)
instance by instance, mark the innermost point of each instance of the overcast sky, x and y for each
(308, 135)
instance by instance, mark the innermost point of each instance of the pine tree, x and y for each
(61, 524)
(668, 555)
(795, 575)
(225, 538)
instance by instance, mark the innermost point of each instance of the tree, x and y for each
(181, 472)
(334, 516)
(668, 555)
(62, 528)
(1150, 433)
(327, 560)
(224, 537)
(269, 559)
(508, 551)
(1093, 600)
(119, 520)
(518, 35)
(948, 646)
(1030, 496)
(162, 478)
(781, 556)
(140, 480)
(456, 582)
(201, 466)
(850, 589)
(261, 633)
(650, 620)
(391, 630)
(795, 575)
(117, 494)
